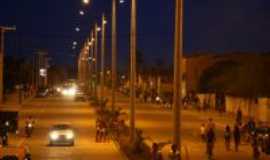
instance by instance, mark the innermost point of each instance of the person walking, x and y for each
(202, 132)
(98, 130)
(237, 137)
(239, 116)
(156, 154)
(210, 143)
(255, 147)
(227, 137)
(210, 125)
(174, 155)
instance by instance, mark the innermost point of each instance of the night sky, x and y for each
(210, 25)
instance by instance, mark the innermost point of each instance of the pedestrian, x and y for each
(156, 154)
(255, 147)
(210, 143)
(251, 125)
(202, 132)
(227, 137)
(239, 116)
(237, 137)
(210, 125)
(174, 155)
(98, 130)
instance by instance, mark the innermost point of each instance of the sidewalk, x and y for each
(12, 103)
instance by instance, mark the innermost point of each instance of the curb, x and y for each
(116, 144)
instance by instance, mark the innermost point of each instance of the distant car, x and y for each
(42, 92)
(61, 134)
(80, 96)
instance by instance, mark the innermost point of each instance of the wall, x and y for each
(260, 110)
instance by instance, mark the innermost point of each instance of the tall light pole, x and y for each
(97, 29)
(102, 56)
(2, 50)
(133, 39)
(114, 50)
(91, 60)
(178, 55)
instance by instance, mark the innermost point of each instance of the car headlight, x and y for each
(54, 136)
(70, 135)
(72, 91)
(64, 92)
(58, 89)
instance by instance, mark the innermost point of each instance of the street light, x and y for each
(114, 51)
(178, 55)
(96, 30)
(77, 29)
(81, 12)
(133, 38)
(86, 1)
(102, 55)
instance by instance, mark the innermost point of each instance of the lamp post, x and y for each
(97, 29)
(2, 50)
(133, 68)
(102, 56)
(178, 55)
(114, 50)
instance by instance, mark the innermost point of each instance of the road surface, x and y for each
(51, 111)
(157, 123)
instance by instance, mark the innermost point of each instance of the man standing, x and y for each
(239, 116)
(237, 137)
(210, 140)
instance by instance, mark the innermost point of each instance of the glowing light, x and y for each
(54, 136)
(81, 12)
(77, 29)
(86, 1)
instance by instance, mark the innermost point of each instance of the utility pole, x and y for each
(178, 55)
(95, 60)
(114, 50)
(133, 39)
(2, 50)
(90, 44)
(102, 56)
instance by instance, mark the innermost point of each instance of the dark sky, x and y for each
(210, 25)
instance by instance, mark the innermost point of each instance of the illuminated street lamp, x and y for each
(86, 1)
(178, 56)
(77, 29)
(133, 45)
(81, 12)
(102, 55)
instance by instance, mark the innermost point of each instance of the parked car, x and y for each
(80, 95)
(61, 134)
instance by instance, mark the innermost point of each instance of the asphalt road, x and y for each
(51, 111)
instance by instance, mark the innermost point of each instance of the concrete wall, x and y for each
(260, 110)
(210, 98)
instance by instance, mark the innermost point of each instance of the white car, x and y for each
(61, 134)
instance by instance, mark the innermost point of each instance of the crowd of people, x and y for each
(240, 132)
